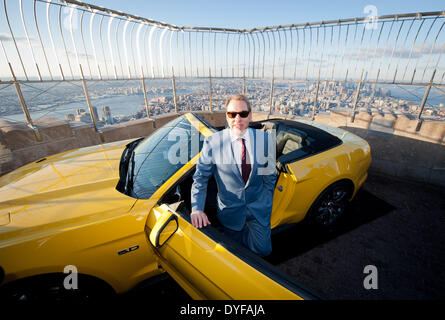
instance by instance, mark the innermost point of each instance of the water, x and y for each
(119, 105)
(435, 96)
(130, 104)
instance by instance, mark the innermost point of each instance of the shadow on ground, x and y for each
(300, 238)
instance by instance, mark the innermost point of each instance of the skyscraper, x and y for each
(107, 115)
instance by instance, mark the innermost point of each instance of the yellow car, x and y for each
(101, 219)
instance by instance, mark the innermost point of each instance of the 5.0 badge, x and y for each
(124, 251)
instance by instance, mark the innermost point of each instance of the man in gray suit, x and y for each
(242, 160)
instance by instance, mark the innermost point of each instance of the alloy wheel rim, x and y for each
(332, 207)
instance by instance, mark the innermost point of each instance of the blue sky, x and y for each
(112, 44)
(257, 13)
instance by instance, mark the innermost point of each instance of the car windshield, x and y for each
(153, 160)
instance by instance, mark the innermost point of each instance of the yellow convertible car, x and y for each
(102, 219)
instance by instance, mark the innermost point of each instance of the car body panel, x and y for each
(66, 210)
(305, 179)
(308, 177)
(206, 269)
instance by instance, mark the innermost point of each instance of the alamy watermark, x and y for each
(71, 18)
(220, 151)
(371, 281)
(71, 280)
(371, 19)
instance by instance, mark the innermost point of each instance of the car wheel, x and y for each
(330, 206)
(51, 289)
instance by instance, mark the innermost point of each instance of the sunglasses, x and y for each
(242, 114)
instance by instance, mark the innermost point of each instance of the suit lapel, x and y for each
(234, 166)
(251, 155)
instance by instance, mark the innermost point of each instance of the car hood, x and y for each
(67, 188)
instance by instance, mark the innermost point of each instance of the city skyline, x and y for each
(125, 101)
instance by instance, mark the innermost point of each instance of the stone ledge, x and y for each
(53, 128)
(163, 119)
(388, 124)
(259, 116)
(127, 130)
(405, 126)
(86, 135)
(29, 154)
(5, 154)
(433, 130)
(16, 135)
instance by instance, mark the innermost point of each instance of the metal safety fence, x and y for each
(68, 49)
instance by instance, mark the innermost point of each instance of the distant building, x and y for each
(108, 118)
(96, 115)
(84, 117)
(161, 99)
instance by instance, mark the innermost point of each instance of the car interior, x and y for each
(288, 138)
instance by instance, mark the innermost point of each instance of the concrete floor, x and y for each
(396, 226)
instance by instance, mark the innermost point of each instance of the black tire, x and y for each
(329, 208)
(50, 288)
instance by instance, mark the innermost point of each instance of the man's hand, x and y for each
(199, 219)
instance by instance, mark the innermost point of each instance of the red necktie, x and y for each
(245, 167)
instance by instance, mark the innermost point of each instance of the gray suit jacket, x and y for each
(235, 199)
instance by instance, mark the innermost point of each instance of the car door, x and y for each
(291, 194)
(207, 265)
(285, 193)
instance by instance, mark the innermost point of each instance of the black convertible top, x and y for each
(319, 140)
(313, 139)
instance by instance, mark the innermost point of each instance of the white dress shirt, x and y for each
(237, 148)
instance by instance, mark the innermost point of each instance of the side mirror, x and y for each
(163, 230)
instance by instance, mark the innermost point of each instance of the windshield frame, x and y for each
(127, 164)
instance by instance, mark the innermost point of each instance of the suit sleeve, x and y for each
(269, 182)
(204, 170)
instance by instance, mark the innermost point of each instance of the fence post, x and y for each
(90, 107)
(425, 98)
(271, 95)
(244, 81)
(210, 90)
(359, 86)
(316, 98)
(147, 106)
(24, 106)
(174, 91)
